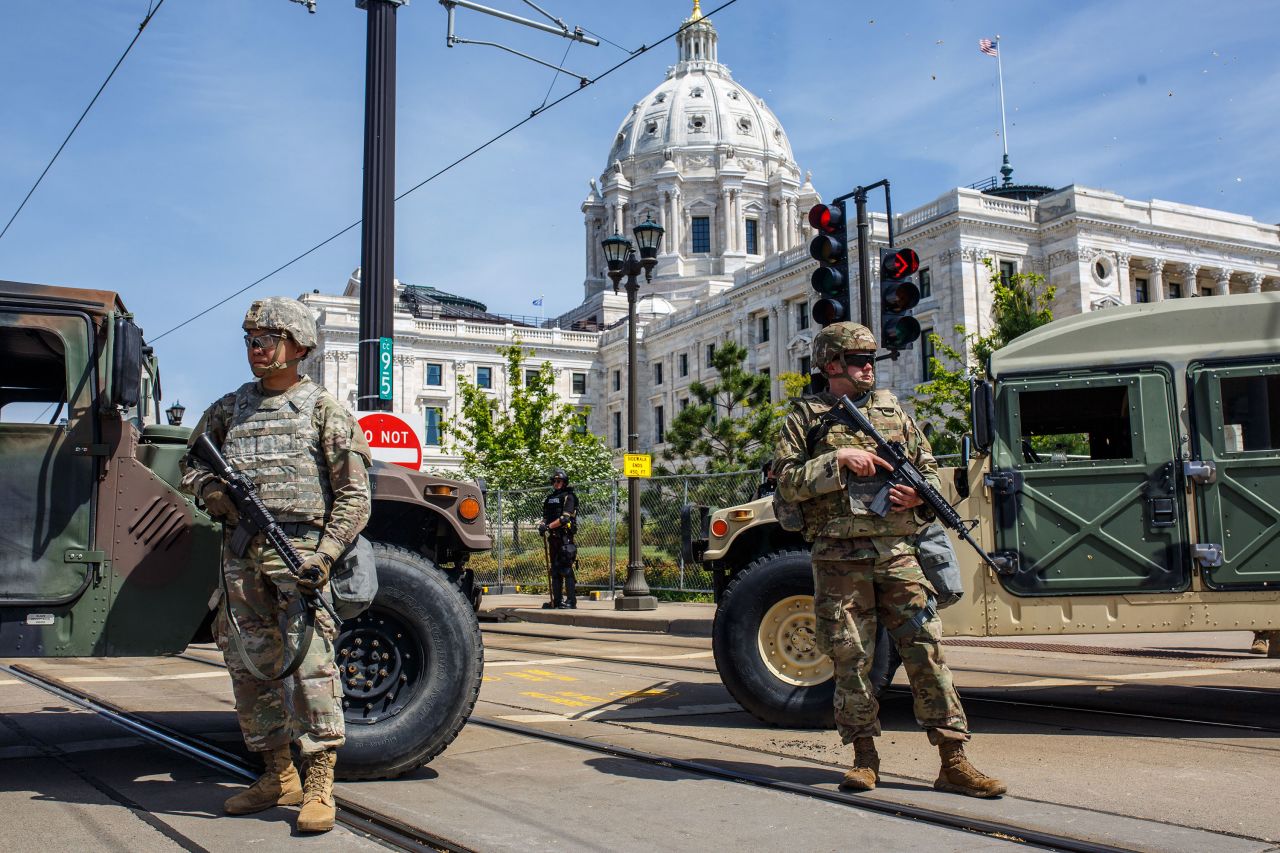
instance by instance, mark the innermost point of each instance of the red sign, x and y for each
(392, 438)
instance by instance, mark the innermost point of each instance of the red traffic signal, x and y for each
(898, 264)
(828, 220)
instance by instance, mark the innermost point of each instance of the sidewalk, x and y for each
(690, 619)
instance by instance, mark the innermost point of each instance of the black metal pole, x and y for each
(635, 594)
(864, 258)
(378, 230)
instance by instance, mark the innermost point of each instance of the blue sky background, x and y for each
(230, 139)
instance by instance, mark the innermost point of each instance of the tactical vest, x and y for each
(554, 507)
(273, 442)
(845, 514)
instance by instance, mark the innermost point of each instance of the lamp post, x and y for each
(623, 260)
(175, 412)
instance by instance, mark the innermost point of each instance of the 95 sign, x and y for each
(384, 369)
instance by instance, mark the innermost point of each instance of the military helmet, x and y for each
(558, 474)
(839, 338)
(288, 315)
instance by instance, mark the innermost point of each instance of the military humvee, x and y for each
(101, 555)
(1124, 464)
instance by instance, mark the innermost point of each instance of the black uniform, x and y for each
(562, 504)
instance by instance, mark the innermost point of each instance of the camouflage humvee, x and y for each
(101, 555)
(1125, 464)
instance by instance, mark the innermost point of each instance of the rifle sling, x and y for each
(304, 645)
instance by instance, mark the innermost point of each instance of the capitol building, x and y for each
(708, 161)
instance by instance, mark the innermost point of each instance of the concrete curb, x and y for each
(617, 620)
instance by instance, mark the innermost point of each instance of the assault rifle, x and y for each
(255, 518)
(907, 474)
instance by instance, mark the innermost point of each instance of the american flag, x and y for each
(988, 47)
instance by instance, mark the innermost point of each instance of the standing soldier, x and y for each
(865, 566)
(559, 522)
(309, 461)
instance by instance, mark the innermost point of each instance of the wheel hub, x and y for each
(788, 643)
(378, 663)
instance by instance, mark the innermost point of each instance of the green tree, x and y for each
(1019, 303)
(731, 424)
(514, 441)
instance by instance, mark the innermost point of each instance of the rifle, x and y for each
(907, 474)
(255, 518)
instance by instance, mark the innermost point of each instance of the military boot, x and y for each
(865, 772)
(1259, 646)
(279, 785)
(958, 776)
(318, 808)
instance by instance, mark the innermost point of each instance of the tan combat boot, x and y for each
(278, 785)
(865, 772)
(1259, 646)
(958, 776)
(318, 809)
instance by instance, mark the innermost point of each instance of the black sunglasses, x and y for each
(859, 359)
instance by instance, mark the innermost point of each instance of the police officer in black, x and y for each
(559, 522)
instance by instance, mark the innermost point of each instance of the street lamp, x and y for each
(175, 412)
(623, 260)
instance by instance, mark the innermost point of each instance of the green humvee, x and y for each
(1125, 464)
(101, 555)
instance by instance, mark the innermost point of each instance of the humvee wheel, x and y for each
(410, 667)
(788, 644)
(765, 645)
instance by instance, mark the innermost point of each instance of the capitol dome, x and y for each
(709, 162)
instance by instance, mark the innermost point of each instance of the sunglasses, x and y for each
(859, 359)
(263, 341)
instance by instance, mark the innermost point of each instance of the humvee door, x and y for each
(1236, 409)
(47, 435)
(1085, 484)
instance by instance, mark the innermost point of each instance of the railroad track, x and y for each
(967, 695)
(383, 828)
(398, 835)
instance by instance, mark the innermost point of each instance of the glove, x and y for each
(542, 528)
(218, 503)
(314, 572)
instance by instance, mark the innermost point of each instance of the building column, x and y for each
(727, 217)
(674, 237)
(1223, 282)
(785, 226)
(1122, 275)
(1156, 266)
(1193, 270)
(1255, 282)
(738, 238)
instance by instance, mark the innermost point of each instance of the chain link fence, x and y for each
(519, 556)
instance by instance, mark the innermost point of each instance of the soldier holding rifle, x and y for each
(308, 461)
(864, 563)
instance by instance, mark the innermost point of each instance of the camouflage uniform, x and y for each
(309, 461)
(865, 566)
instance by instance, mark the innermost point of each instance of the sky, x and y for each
(230, 139)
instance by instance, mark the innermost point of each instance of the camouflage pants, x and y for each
(306, 706)
(849, 597)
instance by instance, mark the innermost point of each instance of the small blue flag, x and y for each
(538, 301)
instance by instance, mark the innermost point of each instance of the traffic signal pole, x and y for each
(859, 196)
(378, 228)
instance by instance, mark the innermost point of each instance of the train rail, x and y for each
(383, 828)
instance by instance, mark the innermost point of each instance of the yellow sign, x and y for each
(637, 465)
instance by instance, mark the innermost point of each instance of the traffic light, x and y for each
(830, 249)
(898, 295)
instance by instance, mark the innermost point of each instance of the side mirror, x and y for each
(966, 450)
(126, 364)
(982, 411)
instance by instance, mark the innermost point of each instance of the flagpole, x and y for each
(1005, 168)
(542, 298)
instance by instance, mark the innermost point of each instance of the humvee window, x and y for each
(33, 387)
(1075, 425)
(1251, 413)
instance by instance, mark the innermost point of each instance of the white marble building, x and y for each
(708, 161)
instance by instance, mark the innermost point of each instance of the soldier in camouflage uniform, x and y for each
(864, 566)
(309, 461)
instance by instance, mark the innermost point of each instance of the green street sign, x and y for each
(384, 369)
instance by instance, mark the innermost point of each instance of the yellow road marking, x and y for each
(558, 700)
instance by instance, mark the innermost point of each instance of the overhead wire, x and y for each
(638, 52)
(150, 14)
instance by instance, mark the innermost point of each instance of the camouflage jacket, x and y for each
(834, 501)
(335, 458)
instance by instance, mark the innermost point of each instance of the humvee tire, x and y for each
(766, 649)
(427, 641)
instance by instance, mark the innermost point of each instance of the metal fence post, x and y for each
(684, 499)
(498, 540)
(613, 536)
